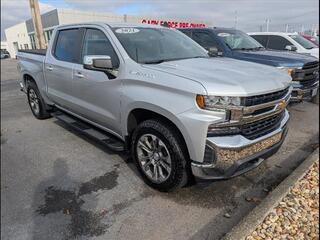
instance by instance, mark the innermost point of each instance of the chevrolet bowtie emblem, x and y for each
(281, 105)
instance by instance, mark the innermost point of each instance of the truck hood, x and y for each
(274, 58)
(313, 52)
(227, 77)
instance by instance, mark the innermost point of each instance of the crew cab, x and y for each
(236, 44)
(155, 92)
(286, 42)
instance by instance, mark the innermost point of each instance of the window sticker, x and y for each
(223, 34)
(127, 30)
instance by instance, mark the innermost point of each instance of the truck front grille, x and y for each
(262, 127)
(264, 98)
(250, 130)
(311, 74)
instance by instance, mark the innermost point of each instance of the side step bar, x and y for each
(101, 136)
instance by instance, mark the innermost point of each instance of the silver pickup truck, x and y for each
(156, 92)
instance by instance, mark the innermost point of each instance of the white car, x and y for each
(286, 41)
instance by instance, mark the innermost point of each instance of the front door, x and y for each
(98, 93)
(59, 65)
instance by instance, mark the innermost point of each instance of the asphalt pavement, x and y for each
(58, 184)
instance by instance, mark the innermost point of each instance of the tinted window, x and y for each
(262, 39)
(204, 39)
(278, 42)
(155, 45)
(303, 42)
(67, 45)
(96, 43)
(186, 32)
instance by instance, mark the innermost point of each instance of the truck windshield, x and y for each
(156, 45)
(237, 40)
(303, 42)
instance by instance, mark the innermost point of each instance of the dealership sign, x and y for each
(173, 24)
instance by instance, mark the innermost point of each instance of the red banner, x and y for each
(173, 24)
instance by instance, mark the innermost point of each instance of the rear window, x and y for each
(67, 45)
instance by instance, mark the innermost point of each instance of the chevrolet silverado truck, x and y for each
(236, 44)
(156, 93)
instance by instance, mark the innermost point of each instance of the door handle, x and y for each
(49, 68)
(79, 75)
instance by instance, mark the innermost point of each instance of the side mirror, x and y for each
(213, 52)
(97, 62)
(291, 48)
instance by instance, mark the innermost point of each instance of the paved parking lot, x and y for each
(58, 184)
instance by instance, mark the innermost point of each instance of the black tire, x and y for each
(315, 99)
(180, 173)
(42, 112)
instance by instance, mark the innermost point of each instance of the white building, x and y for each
(22, 36)
(4, 45)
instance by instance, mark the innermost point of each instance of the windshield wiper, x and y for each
(154, 61)
(258, 48)
(243, 49)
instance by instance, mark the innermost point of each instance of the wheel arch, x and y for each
(138, 114)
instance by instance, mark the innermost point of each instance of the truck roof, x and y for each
(211, 28)
(273, 33)
(112, 25)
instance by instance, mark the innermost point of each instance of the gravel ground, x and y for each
(297, 215)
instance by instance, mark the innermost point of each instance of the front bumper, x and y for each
(300, 94)
(238, 155)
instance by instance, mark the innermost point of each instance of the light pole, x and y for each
(268, 21)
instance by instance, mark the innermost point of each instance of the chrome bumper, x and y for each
(299, 94)
(251, 153)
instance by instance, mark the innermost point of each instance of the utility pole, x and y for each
(287, 27)
(236, 19)
(36, 17)
(268, 21)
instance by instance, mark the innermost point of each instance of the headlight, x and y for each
(217, 102)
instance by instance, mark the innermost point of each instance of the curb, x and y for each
(249, 223)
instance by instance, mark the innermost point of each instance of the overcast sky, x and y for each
(251, 14)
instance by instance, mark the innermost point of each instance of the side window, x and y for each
(204, 39)
(262, 39)
(186, 32)
(67, 45)
(277, 42)
(96, 43)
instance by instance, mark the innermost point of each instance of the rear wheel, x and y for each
(37, 105)
(160, 155)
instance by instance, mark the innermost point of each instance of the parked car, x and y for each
(314, 39)
(286, 41)
(155, 92)
(4, 54)
(236, 44)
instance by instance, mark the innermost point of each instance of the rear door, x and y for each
(59, 64)
(98, 93)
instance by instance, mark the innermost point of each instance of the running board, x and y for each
(101, 136)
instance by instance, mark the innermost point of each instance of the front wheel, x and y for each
(160, 155)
